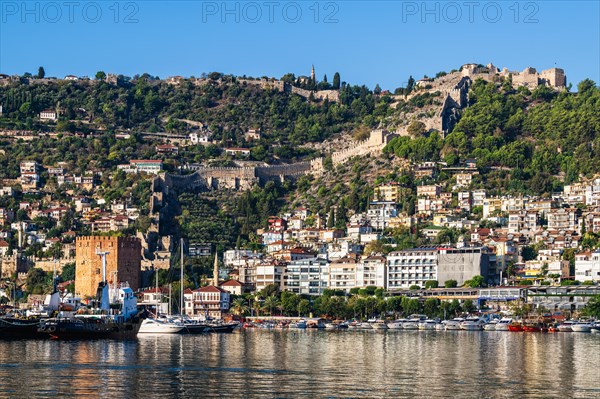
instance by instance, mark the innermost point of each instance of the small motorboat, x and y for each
(379, 325)
(396, 324)
(301, 324)
(567, 326)
(595, 328)
(491, 326)
(515, 327)
(532, 328)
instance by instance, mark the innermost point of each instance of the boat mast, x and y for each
(156, 272)
(181, 303)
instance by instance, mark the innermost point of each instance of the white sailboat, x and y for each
(158, 325)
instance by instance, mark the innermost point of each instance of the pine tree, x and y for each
(331, 218)
(41, 73)
(336, 81)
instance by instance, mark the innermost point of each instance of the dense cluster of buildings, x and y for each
(302, 255)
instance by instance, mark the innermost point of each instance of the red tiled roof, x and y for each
(209, 288)
(231, 283)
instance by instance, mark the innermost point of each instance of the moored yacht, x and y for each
(411, 324)
(503, 324)
(396, 324)
(582, 326)
(158, 326)
(454, 324)
(472, 324)
(491, 326)
(428, 325)
(379, 325)
(567, 326)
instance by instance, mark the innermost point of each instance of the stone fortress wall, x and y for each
(272, 84)
(243, 178)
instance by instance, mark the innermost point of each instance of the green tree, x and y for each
(303, 307)
(100, 75)
(416, 128)
(592, 308)
(450, 284)
(431, 307)
(476, 282)
(336, 81)
(239, 307)
(468, 306)
(331, 219)
(38, 281)
(431, 284)
(270, 303)
(41, 73)
(528, 253)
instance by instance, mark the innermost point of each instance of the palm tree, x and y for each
(239, 307)
(270, 303)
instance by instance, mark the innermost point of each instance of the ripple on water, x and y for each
(284, 364)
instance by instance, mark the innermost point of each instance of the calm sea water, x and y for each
(286, 364)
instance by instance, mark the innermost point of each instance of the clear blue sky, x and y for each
(367, 42)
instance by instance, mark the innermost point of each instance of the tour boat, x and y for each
(157, 326)
(515, 327)
(472, 324)
(582, 327)
(454, 324)
(503, 324)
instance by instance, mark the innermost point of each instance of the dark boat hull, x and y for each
(91, 329)
(13, 328)
(222, 328)
(195, 329)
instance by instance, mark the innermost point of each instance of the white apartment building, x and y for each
(411, 267)
(371, 271)
(307, 276)
(342, 274)
(266, 273)
(587, 266)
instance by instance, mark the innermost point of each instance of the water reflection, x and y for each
(259, 363)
